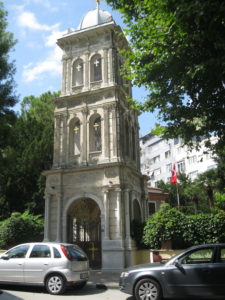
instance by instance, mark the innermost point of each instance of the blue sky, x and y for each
(36, 25)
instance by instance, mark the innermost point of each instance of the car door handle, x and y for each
(46, 264)
(206, 271)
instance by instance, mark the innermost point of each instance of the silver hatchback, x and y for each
(53, 265)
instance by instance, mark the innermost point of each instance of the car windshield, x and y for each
(76, 253)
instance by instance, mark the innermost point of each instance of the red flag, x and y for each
(173, 178)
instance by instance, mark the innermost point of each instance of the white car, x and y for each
(53, 265)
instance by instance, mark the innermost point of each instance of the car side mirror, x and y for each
(178, 265)
(5, 257)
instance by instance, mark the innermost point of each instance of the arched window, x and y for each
(78, 73)
(95, 133)
(96, 68)
(75, 137)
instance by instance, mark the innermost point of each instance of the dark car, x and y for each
(199, 271)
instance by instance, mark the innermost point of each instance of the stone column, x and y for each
(64, 69)
(56, 141)
(118, 213)
(127, 213)
(86, 72)
(114, 130)
(59, 217)
(69, 81)
(105, 67)
(106, 132)
(110, 66)
(106, 211)
(64, 139)
(84, 136)
(47, 217)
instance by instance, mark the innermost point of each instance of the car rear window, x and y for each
(56, 253)
(76, 253)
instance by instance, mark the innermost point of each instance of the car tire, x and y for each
(147, 289)
(55, 284)
(80, 285)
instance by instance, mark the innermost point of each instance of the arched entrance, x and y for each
(84, 228)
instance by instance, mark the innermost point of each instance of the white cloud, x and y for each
(52, 38)
(50, 66)
(28, 20)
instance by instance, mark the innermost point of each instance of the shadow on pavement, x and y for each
(89, 289)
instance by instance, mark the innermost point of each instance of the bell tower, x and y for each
(96, 147)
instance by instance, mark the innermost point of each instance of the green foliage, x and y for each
(220, 200)
(7, 97)
(29, 154)
(166, 224)
(20, 228)
(184, 230)
(137, 228)
(178, 54)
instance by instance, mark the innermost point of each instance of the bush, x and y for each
(182, 230)
(20, 228)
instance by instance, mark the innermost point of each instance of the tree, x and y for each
(178, 54)
(7, 97)
(30, 153)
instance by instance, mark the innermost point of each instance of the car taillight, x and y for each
(65, 252)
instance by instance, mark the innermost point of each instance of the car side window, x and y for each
(200, 256)
(56, 253)
(18, 252)
(222, 255)
(40, 251)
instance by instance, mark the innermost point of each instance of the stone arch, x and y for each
(83, 216)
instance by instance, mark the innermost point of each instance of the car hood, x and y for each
(145, 266)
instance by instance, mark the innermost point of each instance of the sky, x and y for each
(36, 25)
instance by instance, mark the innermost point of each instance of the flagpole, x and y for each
(178, 198)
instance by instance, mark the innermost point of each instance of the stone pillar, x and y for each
(105, 67)
(64, 139)
(110, 66)
(118, 213)
(106, 132)
(106, 211)
(64, 69)
(84, 137)
(127, 214)
(86, 72)
(47, 217)
(56, 141)
(69, 81)
(114, 131)
(59, 218)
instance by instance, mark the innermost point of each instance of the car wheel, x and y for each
(80, 285)
(55, 284)
(147, 289)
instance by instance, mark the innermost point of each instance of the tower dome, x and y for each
(95, 17)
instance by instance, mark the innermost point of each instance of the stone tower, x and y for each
(95, 189)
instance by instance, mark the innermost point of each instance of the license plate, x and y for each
(83, 275)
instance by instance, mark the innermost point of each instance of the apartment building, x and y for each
(159, 155)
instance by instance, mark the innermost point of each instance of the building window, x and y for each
(96, 68)
(155, 160)
(181, 166)
(193, 175)
(168, 154)
(78, 73)
(192, 159)
(75, 137)
(168, 168)
(176, 141)
(95, 134)
(151, 208)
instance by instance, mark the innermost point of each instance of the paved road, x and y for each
(89, 292)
